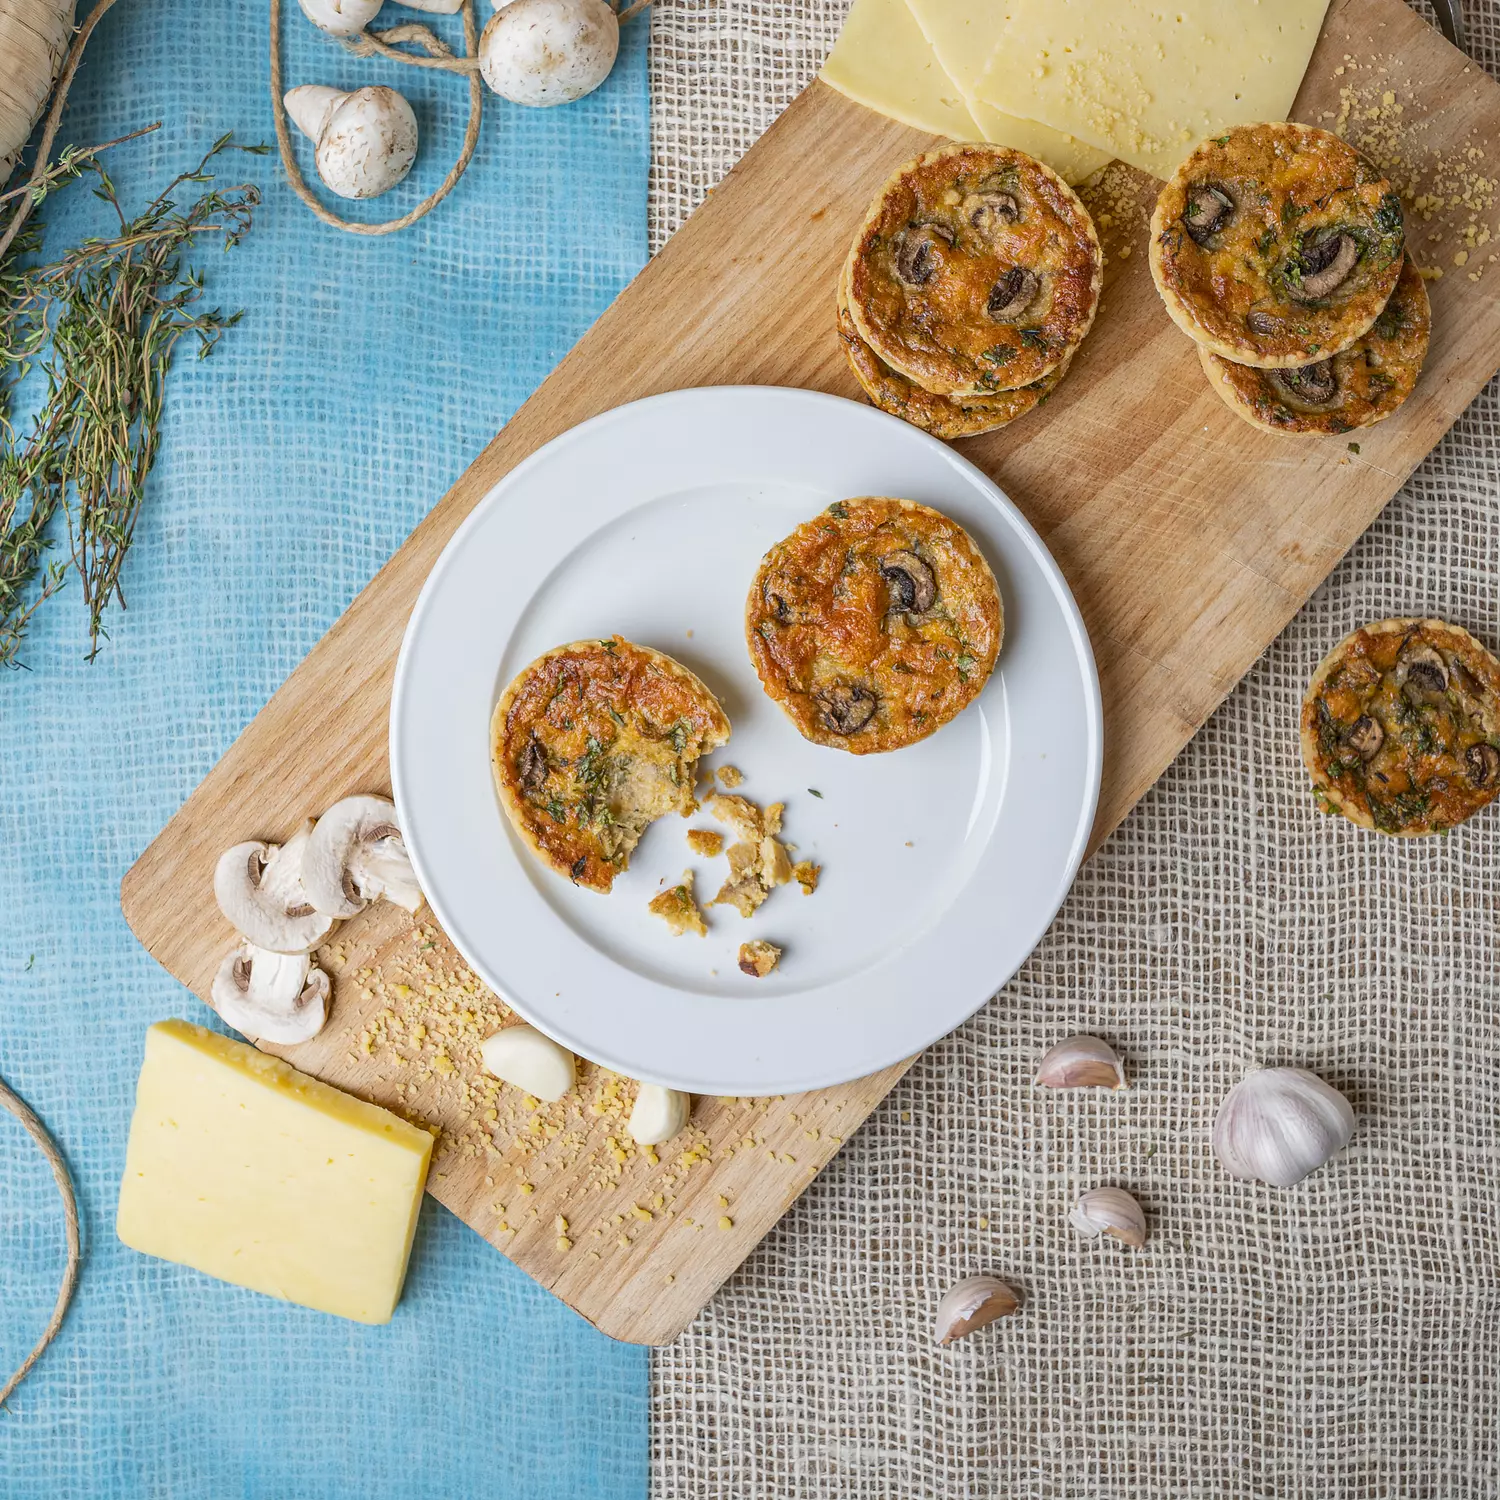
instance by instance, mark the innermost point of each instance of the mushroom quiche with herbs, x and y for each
(1401, 727)
(1356, 387)
(976, 270)
(1276, 245)
(592, 743)
(874, 624)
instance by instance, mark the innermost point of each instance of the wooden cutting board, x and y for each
(1189, 539)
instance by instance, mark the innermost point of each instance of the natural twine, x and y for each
(366, 45)
(38, 1132)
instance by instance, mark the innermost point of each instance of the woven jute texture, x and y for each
(1341, 1338)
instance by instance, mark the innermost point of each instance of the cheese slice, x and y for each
(963, 35)
(244, 1168)
(1147, 82)
(883, 61)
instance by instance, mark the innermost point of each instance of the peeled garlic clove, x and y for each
(523, 1056)
(1278, 1124)
(658, 1115)
(973, 1303)
(1111, 1211)
(1081, 1062)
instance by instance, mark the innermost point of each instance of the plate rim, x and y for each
(1041, 556)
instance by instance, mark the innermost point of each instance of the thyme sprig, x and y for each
(100, 325)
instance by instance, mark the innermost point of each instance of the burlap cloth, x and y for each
(1337, 1339)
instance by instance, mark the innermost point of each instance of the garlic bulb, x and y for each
(1111, 1211)
(973, 1303)
(1278, 1124)
(1081, 1062)
(366, 140)
(658, 1115)
(340, 17)
(544, 52)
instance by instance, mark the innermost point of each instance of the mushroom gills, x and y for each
(915, 261)
(1324, 265)
(259, 888)
(356, 855)
(1209, 208)
(1423, 675)
(1307, 387)
(1482, 761)
(1012, 295)
(1365, 737)
(271, 997)
(845, 707)
(912, 582)
(992, 212)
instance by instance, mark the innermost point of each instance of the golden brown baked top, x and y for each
(1401, 726)
(977, 270)
(1276, 245)
(874, 624)
(1356, 387)
(594, 741)
(943, 416)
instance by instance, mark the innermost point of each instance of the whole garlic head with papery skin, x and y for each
(340, 17)
(543, 52)
(1277, 1125)
(366, 141)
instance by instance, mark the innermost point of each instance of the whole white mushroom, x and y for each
(544, 52)
(340, 17)
(366, 140)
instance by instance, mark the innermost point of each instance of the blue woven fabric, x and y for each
(364, 377)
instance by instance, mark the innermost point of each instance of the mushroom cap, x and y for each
(544, 52)
(368, 143)
(340, 17)
(271, 997)
(355, 855)
(259, 889)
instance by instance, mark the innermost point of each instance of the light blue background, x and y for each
(364, 377)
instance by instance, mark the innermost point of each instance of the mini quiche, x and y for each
(977, 270)
(1356, 387)
(874, 624)
(593, 742)
(1276, 245)
(1401, 727)
(942, 416)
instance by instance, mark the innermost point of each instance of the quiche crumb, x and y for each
(677, 908)
(806, 873)
(731, 776)
(705, 841)
(758, 957)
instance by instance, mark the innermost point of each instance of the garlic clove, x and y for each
(1277, 1125)
(1111, 1211)
(522, 1056)
(1081, 1062)
(543, 52)
(971, 1304)
(658, 1115)
(340, 17)
(310, 105)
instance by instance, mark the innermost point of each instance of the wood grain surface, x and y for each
(1188, 537)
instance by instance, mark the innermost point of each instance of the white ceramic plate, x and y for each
(943, 863)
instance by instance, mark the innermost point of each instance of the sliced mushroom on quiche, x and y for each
(874, 624)
(1401, 727)
(591, 744)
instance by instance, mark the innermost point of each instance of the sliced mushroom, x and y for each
(1365, 737)
(989, 213)
(1012, 295)
(1324, 266)
(259, 889)
(1307, 385)
(1209, 207)
(1482, 762)
(781, 611)
(1422, 674)
(1262, 322)
(531, 768)
(356, 855)
(1465, 681)
(845, 707)
(915, 261)
(271, 997)
(912, 583)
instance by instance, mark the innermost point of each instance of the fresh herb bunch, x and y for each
(100, 325)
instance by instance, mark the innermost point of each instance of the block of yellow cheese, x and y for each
(1145, 81)
(240, 1166)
